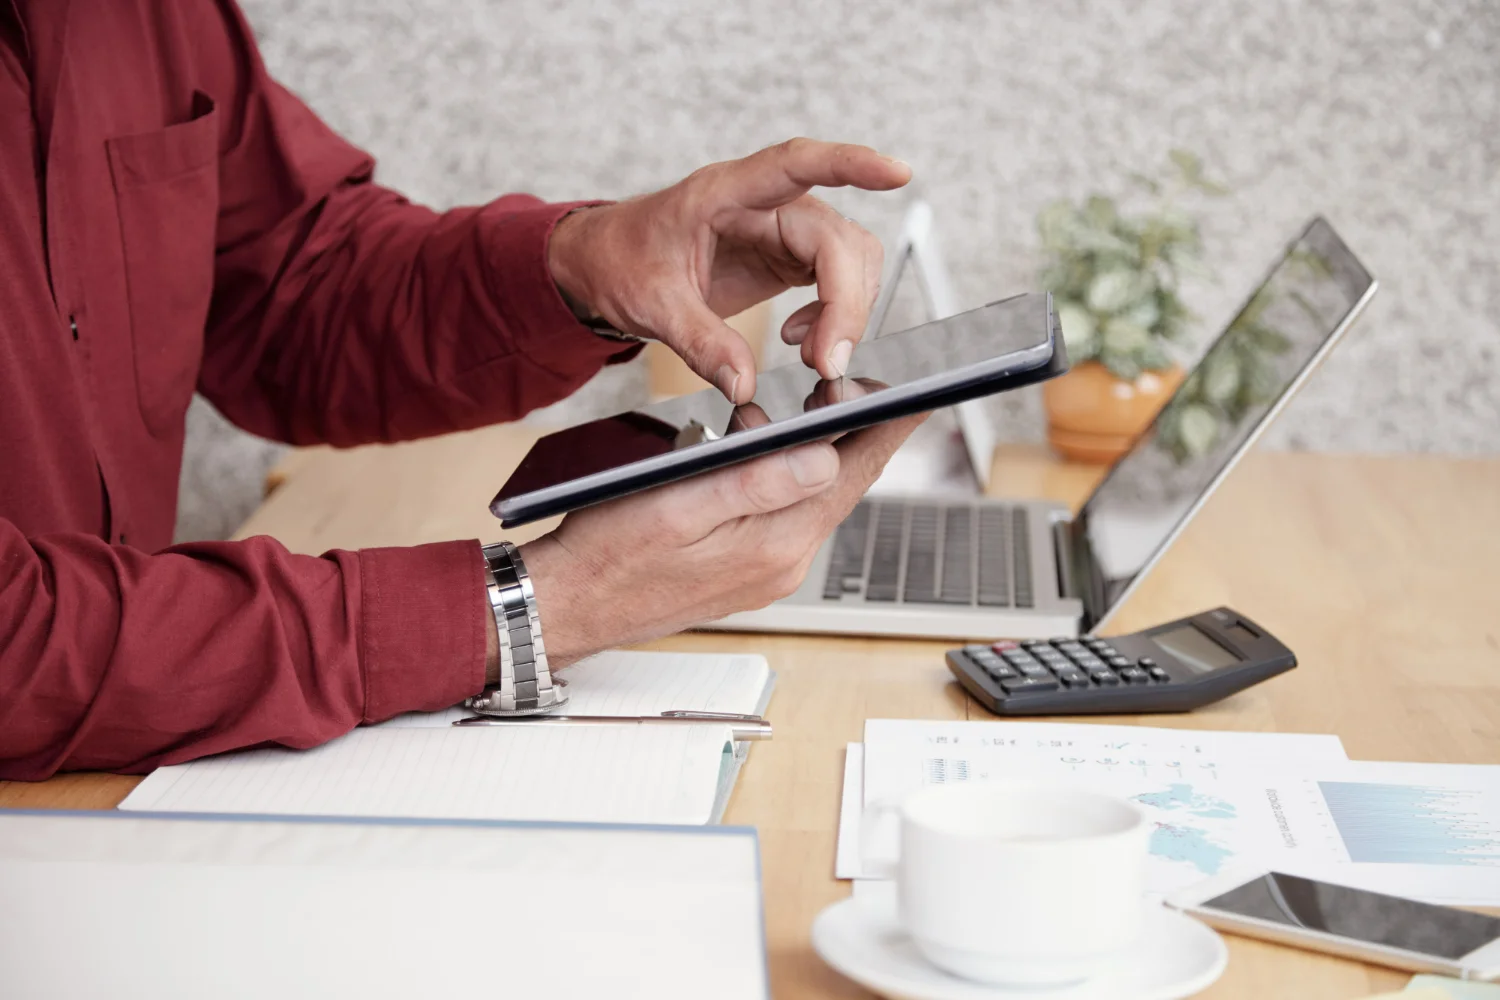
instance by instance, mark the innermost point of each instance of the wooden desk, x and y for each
(1382, 574)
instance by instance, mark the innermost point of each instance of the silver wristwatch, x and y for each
(526, 686)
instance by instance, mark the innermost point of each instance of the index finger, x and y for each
(786, 171)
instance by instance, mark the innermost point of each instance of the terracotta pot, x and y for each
(1092, 416)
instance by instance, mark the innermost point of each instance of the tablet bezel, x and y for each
(1012, 370)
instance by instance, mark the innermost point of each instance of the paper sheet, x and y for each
(629, 682)
(1428, 831)
(1443, 988)
(851, 806)
(624, 774)
(1172, 773)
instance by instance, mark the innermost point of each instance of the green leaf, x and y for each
(1055, 224)
(1079, 331)
(1187, 163)
(1221, 377)
(1123, 366)
(1197, 429)
(1145, 313)
(1100, 211)
(1154, 357)
(1112, 290)
(1120, 336)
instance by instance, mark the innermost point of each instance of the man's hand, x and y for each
(689, 552)
(670, 265)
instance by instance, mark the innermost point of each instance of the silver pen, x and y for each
(742, 727)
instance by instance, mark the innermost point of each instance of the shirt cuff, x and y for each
(422, 627)
(514, 232)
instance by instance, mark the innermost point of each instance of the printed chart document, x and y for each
(1190, 782)
(422, 766)
(180, 908)
(1428, 831)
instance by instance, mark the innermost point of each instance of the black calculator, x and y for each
(1170, 668)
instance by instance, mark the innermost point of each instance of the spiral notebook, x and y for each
(420, 765)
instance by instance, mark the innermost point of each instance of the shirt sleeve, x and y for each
(113, 659)
(342, 313)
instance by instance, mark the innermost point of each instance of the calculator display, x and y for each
(1194, 648)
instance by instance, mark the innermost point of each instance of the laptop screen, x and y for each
(1305, 303)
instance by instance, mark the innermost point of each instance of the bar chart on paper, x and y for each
(1428, 831)
(1415, 824)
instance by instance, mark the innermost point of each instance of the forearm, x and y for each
(387, 321)
(117, 660)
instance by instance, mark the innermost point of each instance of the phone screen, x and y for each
(1371, 917)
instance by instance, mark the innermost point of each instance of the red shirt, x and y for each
(172, 219)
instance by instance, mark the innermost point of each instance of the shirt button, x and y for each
(73, 325)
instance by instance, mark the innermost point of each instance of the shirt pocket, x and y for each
(167, 191)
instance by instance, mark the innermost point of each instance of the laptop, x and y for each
(960, 567)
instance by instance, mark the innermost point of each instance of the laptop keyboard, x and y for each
(929, 553)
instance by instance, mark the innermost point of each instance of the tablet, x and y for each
(1001, 346)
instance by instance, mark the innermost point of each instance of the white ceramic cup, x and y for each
(1016, 883)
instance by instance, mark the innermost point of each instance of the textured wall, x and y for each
(1385, 116)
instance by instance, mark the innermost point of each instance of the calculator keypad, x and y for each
(1069, 664)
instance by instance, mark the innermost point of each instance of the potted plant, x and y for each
(1114, 278)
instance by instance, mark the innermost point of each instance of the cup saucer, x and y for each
(1174, 956)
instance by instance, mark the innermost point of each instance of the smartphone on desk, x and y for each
(1352, 923)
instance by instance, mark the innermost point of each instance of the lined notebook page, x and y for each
(624, 774)
(628, 682)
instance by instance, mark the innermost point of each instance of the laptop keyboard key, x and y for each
(885, 555)
(922, 557)
(1021, 556)
(994, 556)
(958, 553)
(846, 562)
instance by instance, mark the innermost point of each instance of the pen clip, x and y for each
(712, 716)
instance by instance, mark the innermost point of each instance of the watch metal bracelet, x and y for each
(526, 686)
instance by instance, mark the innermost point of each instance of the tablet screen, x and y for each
(897, 359)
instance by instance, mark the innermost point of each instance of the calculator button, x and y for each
(1034, 670)
(1105, 650)
(1002, 673)
(974, 650)
(1035, 644)
(1015, 654)
(1004, 646)
(1145, 663)
(1095, 644)
(1073, 678)
(1158, 674)
(1052, 658)
(1059, 640)
(1119, 662)
(1022, 685)
(1134, 675)
(1089, 661)
(1105, 678)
